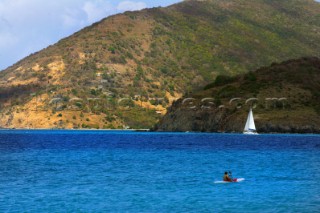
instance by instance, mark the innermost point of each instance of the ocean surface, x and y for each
(122, 171)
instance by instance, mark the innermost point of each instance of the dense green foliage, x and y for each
(296, 80)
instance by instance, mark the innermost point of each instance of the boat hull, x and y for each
(250, 133)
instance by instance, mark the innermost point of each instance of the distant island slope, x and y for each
(285, 98)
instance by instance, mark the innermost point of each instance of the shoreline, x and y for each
(45, 129)
(165, 132)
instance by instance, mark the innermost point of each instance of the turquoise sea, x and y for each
(122, 171)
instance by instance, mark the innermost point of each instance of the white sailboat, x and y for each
(250, 127)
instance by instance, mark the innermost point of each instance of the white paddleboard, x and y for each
(238, 180)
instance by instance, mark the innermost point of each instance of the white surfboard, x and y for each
(238, 180)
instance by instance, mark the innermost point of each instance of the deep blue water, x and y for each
(103, 171)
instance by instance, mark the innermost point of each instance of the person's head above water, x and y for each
(225, 173)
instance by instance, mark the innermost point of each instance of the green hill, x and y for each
(126, 69)
(285, 98)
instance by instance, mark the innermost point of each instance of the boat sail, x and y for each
(250, 127)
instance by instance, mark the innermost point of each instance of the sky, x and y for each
(27, 26)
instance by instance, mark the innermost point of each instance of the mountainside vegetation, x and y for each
(285, 98)
(124, 71)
